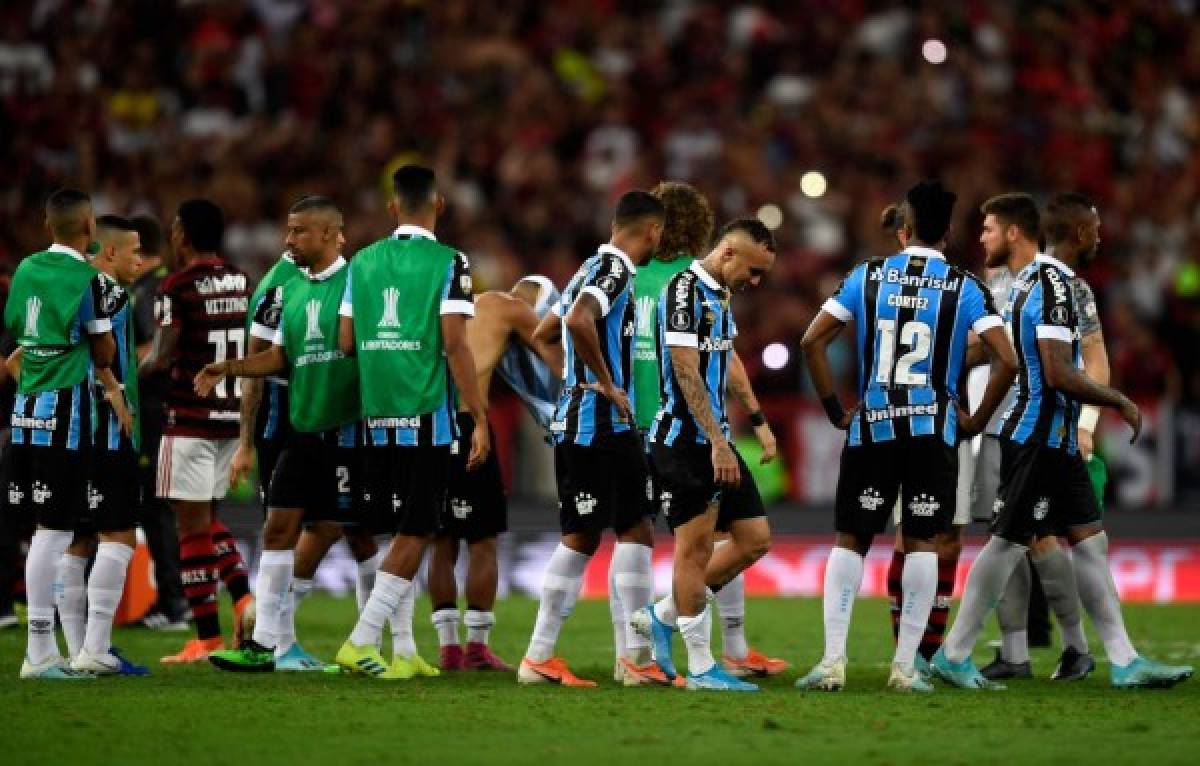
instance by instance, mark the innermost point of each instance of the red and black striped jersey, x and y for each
(207, 301)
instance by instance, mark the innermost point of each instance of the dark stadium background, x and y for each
(537, 115)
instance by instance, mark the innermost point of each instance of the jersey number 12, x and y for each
(918, 337)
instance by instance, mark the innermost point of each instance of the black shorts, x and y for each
(1042, 491)
(922, 471)
(742, 502)
(272, 432)
(49, 484)
(114, 491)
(683, 480)
(317, 472)
(476, 507)
(404, 488)
(602, 485)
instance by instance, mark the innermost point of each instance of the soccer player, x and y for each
(743, 535)
(404, 315)
(58, 310)
(201, 319)
(314, 478)
(1049, 561)
(169, 612)
(912, 313)
(598, 458)
(476, 509)
(1044, 482)
(689, 439)
(113, 488)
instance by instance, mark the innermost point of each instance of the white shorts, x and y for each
(966, 480)
(190, 468)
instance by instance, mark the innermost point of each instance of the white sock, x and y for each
(70, 596)
(479, 625)
(843, 577)
(365, 581)
(919, 588)
(1012, 613)
(616, 612)
(632, 572)
(1099, 597)
(385, 599)
(985, 582)
(560, 591)
(401, 622)
(105, 586)
(41, 568)
(697, 636)
(731, 607)
(270, 591)
(446, 622)
(1062, 594)
(287, 613)
(665, 611)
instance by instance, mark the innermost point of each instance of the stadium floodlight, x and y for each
(934, 51)
(813, 184)
(775, 356)
(771, 216)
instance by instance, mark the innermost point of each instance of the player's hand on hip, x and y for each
(124, 416)
(481, 445)
(1131, 415)
(242, 464)
(725, 465)
(616, 395)
(767, 440)
(207, 379)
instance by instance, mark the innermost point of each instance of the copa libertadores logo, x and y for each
(391, 315)
(33, 309)
(313, 310)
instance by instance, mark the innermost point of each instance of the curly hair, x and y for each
(689, 225)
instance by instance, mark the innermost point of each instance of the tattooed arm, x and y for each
(686, 364)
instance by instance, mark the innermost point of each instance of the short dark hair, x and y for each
(61, 207)
(637, 205)
(1063, 214)
(203, 224)
(893, 217)
(115, 222)
(149, 233)
(1016, 208)
(314, 202)
(753, 228)
(931, 206)
(414, 186)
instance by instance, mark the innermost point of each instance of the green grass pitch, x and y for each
(197, 715)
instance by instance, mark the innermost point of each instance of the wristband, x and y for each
(757, 419)
(833, 410)
(1089, 417)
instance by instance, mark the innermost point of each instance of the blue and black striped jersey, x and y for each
(1042, 306)
(582, 414)
(693, 312)
(912, 312)
(525, 372)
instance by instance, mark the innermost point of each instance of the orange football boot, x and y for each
(552, 671)
(195, 650)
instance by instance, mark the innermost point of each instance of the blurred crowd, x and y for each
(538, 114)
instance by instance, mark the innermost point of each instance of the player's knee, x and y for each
(282, 530)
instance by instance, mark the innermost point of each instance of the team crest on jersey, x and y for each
(607, 284)
(391, 308)
(41, 493)
(460, 508)
(94, 496)
(1059, 315)
(33, 309)
(870, 499)
(1041, 508)
(680, 320)
(585, 503)
(664, 502)
(312, 311)
(923, 505)
(111, 297)
(464, 283)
